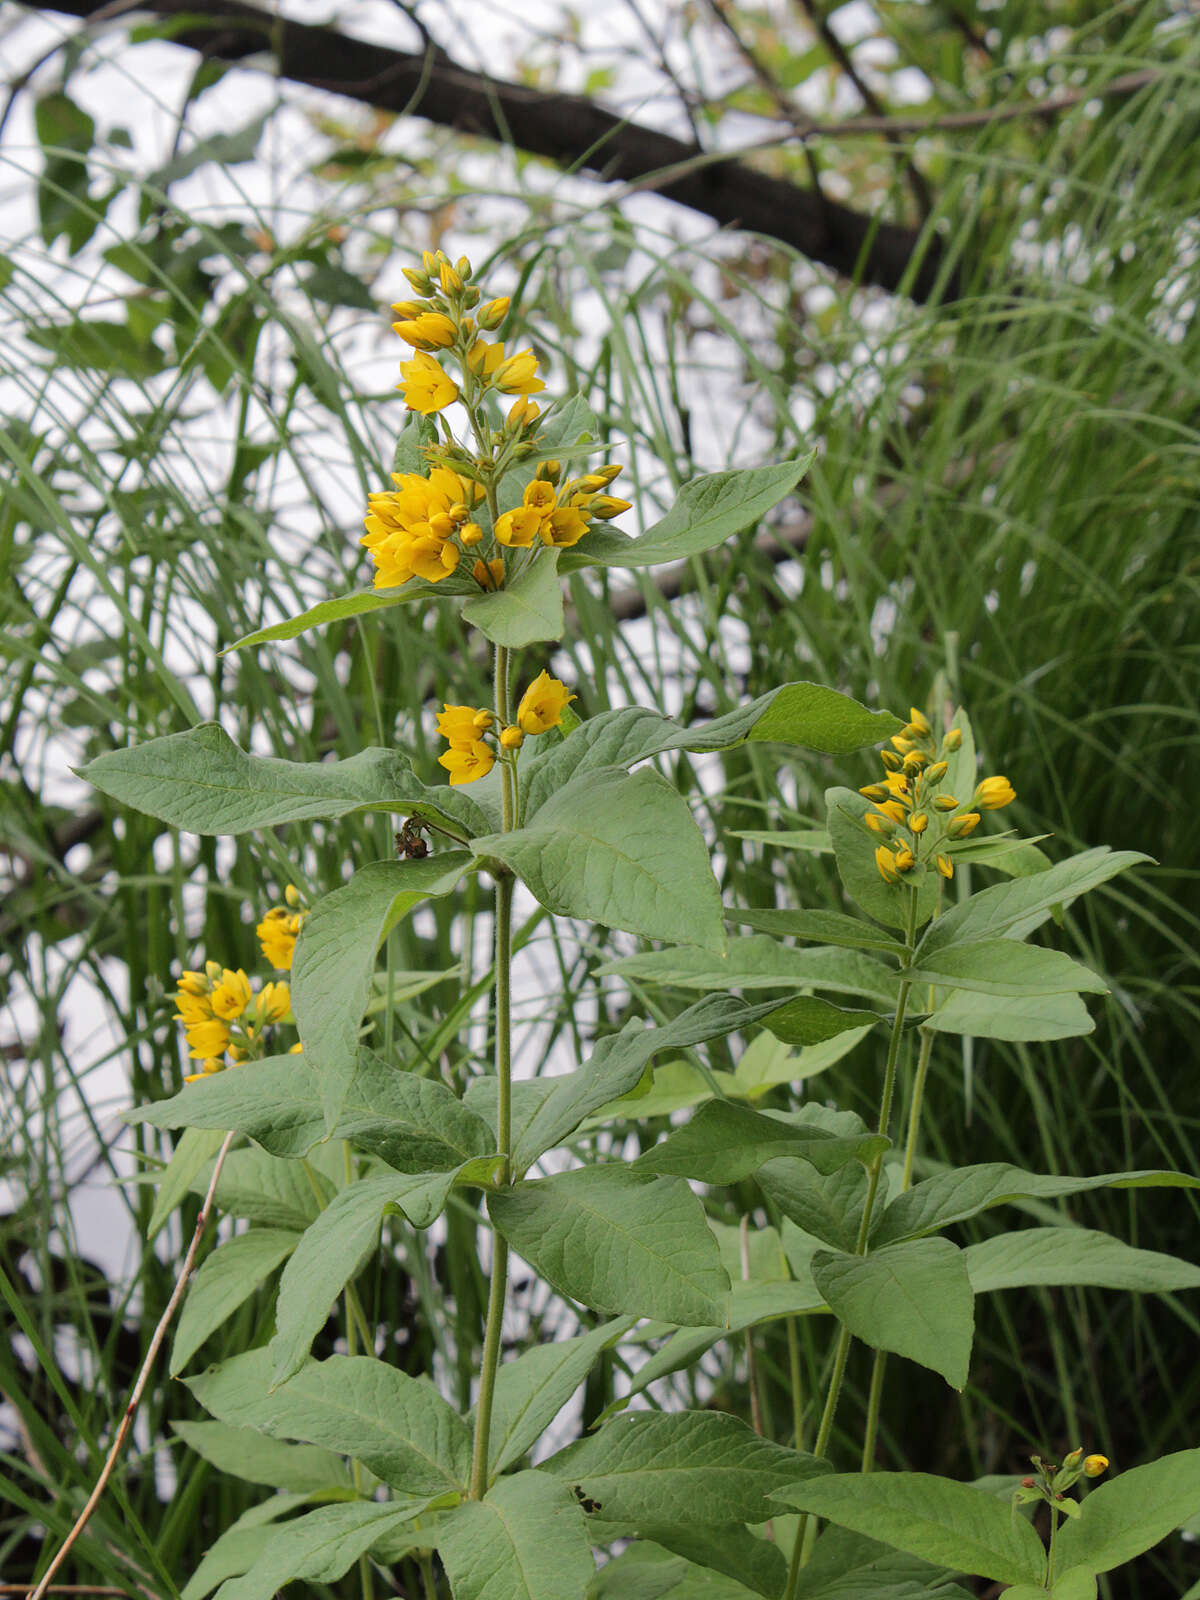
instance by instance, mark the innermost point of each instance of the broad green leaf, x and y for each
(677, 1086)
(399, 1427)
(709, 510)
(1078, 1584)
(265, 1189)
(854, 847)
(822, 927)
(736, 1553)
(193, 1153)
(414, 1124)
(622, 850)
(254, 1458)
(758, 962)
(805, 714)
(768, 1062)
(849, 1566)
(202, 782)
(952, 1196)
(1074, 1255)
(527, 611)
(1132, 1512)
(320, 1546)
(361, 603)
(532, 1389)
(1014, 909)
(829, 1207)
(683, 1467)
(649, 1572)
(525, 1540)
(913, 1299)
(618, 1063)
(240, 1546)
(227, 1278)
(724, 1143)
(1017, 1017)
(1004, 967)
(807, 1020)
(950, 1524)
(334, 961)
(618, 1241)
(274, 1102)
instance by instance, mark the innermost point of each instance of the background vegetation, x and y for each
(197, 389)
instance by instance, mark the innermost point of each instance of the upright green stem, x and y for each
(1050, 1555)
(498, 1289)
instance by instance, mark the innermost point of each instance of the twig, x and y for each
(143, 1377)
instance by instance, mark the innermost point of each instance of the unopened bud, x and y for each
(874, 791)
(945, 802)
(493, 313)
(512, 738)
(918, 722)
(441, 524)
(905, 860)
(1073, 1459)
(890, 760)
(607, 506)
(962, 826)
(482, 720)
(945, 866)
(449, 279)
(953, 740)
(470, 534)
(936, 772)
(549, 471)
(918, 822)
(420, 281)
(407, 309)
(1027, 1483)
(1093, 1466)
(463, 267)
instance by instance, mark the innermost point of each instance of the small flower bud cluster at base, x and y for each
(920, 823)
(467, 729)
(1050, 1483)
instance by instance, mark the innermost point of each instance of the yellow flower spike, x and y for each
(563, 528)
(945, 866)
(490, 574)
(465, 764)
(953, 740)
(518, 375)
(470, 534)
(918, 822)
(905, 860)
(936, 772)
(993, 793)
(886, 862)
(1093, 1466)
(511, 738)
(430, 330)
(964, 825)
(518, 528)
(493, 313)
(608, 506)
(543, 704)
(427, 388)
(891, 760)
(874, 791)
(945, 802)
(232, 995)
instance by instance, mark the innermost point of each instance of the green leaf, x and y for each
(65, 132)
(320, 1546)
(619, 850)
(193, 1153)
(528, 611)
(805, 714)
(848, 1566)
(1002, 966)
(829, 1207)
(399, 1427)
(361, 603)
(768, 1062)
(648, 1572)
(1015, 909)
(708, 511)
(1074, 1255)
(278, 1194)
(815, 840)
(753, 1563)
(1018, 1017)
(758, 962)
(964, 1192)
(415, 1124)
(251, 1456)
(823, 927)
(724, 1143)
(950, 1524)
(525, 1540)
(335, 955)
(225, 149)
(913, 1299)
(682, 1467)
(854, 847)
(1132, 1512)
(1078, 1584)
(618, 1241)
(618, 1064)
(532, 1389)
(202, 782)
(273, 1101)
(809, 1021)
(227, 1278)
(240, 1546)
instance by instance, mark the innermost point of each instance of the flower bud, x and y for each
(899, 742)
(463, 267)
(609, 472)
(607, 506)
(886, 863)
(945, 802)
(874, 791)
(1027, 1483)
(915, 760)
(1072, 1460)
(879, 824)
(918, 724)
(493, 313)
(1093, 1466)
(470, 534)
(918, 822)
(549, 471)
(420, 281)
(449, 279)
(936, 772)
(407, 309)
(482, 720)
(953, 740)
(993, 793)
(512, 738)
(964, 825)
(905, 860)
(890, 760)
(458, 512)
(945, 866)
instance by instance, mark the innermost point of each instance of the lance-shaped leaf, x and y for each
(804, 714)
(950, 1524)
(953, 1196)
(724, 1143)
(399, 1427)
(848, 1566)
(752, 1563)
(683, 1467)
(822, 927)
(321, 1546)
(361, 603)
(709, 510)
(274, 1102)
(807, 1020)
(251, 1456)
(226, 1279)
(262, 1188)
(1016, 1017)
(914, 1299)
(648, 1571)
(193, 1154)
(854, 847)
(203, 782)
(621, 850)
(1012, 910)
(415, 1124)
(335, 954)
(618, 1064)
(526, 611)
(240, 1546)
(1005, 967)
(1075, 1256)
(619, 1241)
(526, 1539)
(758, 962)
(1132, 1512)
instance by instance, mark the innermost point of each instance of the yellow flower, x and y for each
(993, 793)
(427, 388)
(208, 1039)
(518, 375)
(470, 534)
(465, 763)
(274, 1002)
(519, 527)
(894, 810)
(462, 724)
(490, 574)
(886, 862)
(484, 358)
(428, 330)
(876, 823)
(543, 704)
(905, 860)
(207, 1068)
(918, 822)
(231, 996)
(408, 526)
(540, 496)
(277, 935)
(563, 528)
(1095, 1465)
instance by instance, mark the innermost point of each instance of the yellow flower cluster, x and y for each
(420, 528)
(279, 928)
(559, 516)
(465, 729)
(222, 1015)
(919, 820)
